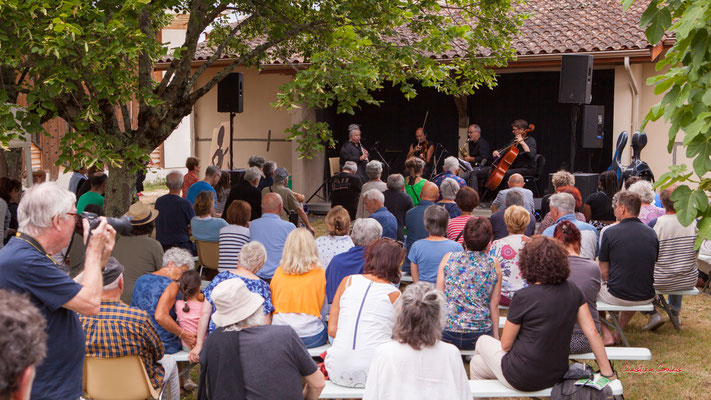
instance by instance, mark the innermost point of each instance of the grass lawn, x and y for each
(679, 368)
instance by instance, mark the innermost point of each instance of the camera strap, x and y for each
(34, 243)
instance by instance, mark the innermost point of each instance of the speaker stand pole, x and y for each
(574, 112)
(232, 119)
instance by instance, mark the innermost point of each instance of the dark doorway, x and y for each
(533, 96)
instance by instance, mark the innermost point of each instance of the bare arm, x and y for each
(162, 315)
(88, 300)
(314, 385)
(336, 308)
(411, 152)
(304, 219)
(587, 211)
(414, 272)
(604, 270)
(203, 324)
(429, 154)
(509, 335)
(494, 301)
(588, 326)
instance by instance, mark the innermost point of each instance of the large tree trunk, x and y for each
(11, 163)
(119, 190)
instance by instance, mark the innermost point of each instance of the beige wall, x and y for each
(655, 153)
(254, 123)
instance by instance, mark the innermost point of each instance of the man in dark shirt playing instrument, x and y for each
(525, 162)
(479, 156)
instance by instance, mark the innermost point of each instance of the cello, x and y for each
(504, 162)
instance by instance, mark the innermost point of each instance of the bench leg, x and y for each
(706, 286)
(668, 309)
(618, 328)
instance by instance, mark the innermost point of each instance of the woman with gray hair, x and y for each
(156, 293)
(417, 364)
(448, 189)
(251, 260)
(559, 179)
(374, 170)
(426, 254)
(648, 211)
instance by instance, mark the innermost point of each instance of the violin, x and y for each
(422, 153)
(507, 156)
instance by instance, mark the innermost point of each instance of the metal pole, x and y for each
(232, 117)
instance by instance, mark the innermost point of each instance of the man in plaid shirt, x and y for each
(119, 330)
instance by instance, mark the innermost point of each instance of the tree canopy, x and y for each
(687, 102)
(92, 63)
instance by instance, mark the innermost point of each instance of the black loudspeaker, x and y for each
(586, 183)
(593, 123)
(575, 79)
(230, 91)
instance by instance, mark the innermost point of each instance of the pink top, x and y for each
(188, 320)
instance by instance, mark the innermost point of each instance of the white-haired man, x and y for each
(174, 215)
(47, 217)
(563, 209)
(119, 330)
(247, 190)
(451, 168)
(374, 202)
(352, 150)
(345, 188)
(365, 230)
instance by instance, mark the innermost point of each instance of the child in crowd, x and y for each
(188, 309)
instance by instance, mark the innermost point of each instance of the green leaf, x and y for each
(688, 204)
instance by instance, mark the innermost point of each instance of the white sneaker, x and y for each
(655, 321)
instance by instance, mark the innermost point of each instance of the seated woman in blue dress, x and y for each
(156, 293)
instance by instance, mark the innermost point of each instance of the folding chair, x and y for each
(122, 378)
(208, 255)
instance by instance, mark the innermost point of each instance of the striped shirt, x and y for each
(232, 238)
(456, 226)
(675, 268)
(118, 331)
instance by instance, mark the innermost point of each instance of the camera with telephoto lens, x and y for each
(121, 225)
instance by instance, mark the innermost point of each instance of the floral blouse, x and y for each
(507, 250)
(469, 280)
(257, 286)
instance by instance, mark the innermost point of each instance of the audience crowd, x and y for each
(279, 290)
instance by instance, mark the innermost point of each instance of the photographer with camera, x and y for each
(47, 217)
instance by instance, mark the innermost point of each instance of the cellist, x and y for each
(525, 163)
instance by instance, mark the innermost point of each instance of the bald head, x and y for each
(430, 192)
(272, 203)
(516, 180)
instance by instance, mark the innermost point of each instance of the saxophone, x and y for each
(463, 150)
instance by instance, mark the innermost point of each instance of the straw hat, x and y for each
(234, 302)
(141, 213)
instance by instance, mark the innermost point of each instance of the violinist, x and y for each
(525, 162)
(422, 149)
(352, 150)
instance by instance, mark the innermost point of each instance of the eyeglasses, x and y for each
(77, 217)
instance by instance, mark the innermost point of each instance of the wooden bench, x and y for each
(479, 388)
(667, 307)
(613, 353)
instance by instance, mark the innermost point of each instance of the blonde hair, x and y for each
(338, 222)
(300, 254)
(563, 178)
(516, 219)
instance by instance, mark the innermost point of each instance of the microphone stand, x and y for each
(441, 153)
(380, 156)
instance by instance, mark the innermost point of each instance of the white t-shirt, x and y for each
(328, 246)
(398, 371)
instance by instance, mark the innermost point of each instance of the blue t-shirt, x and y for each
(173, 221)
(271, 231)
(387, 220)
(146, 294)
(427, 254)
(207, 229)
(257, 286)
(342, 265)
(196, 188)
(27, 270)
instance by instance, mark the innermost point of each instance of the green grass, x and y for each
(688, 350)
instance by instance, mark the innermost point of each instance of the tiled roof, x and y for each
(553, 27)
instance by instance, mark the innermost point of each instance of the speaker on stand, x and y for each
(575, 88)
(230, 94)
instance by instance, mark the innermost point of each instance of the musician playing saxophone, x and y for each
(352, 150)
(525, 163)
(422, 149)
(479, 155)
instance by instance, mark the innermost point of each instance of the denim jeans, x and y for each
(316, 340)
(675, 302)
(464, 341)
